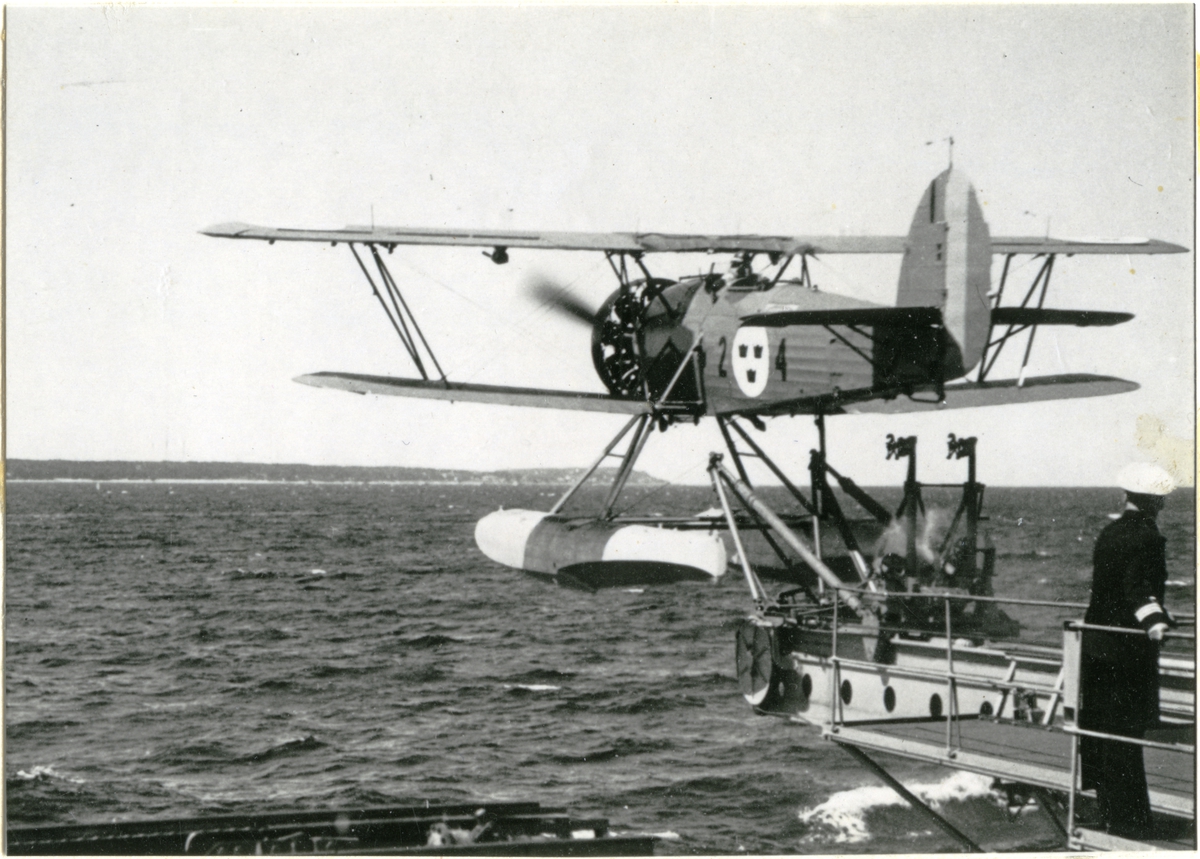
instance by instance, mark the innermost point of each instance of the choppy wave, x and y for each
(844, 817)
(300, 745)
(423, 642)
(46, 773)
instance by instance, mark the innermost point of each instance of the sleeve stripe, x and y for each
(1145, 611)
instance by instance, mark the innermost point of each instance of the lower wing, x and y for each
(962, 395)
(462, 392)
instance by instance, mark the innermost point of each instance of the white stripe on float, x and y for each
(502, 535)
(689, 548)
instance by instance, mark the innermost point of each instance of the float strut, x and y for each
(968, 845)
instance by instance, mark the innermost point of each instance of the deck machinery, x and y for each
(906, 650)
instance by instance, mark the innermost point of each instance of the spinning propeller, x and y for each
(619, 347)
(560, 299)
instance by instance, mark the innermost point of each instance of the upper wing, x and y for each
(960, 395)
(668, 242)
(494, 394)
(627, 242)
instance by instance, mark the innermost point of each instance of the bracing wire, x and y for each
(516, 332)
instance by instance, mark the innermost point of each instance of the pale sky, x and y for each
(131, 336)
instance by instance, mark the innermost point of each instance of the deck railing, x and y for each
(1064, 692)
(1072, 669)
(953, 679)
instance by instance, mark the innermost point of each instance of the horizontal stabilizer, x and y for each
(1045, 316)
(889, 317)
(467, 393)
(1048, 245)
(1005, 392)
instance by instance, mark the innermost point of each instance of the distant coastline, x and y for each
(81, 471)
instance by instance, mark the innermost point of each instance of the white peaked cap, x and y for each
(1145, 478)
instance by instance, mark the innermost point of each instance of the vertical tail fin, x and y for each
(948, 265)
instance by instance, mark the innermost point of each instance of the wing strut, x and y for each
(608, 451)
(990, 354)
(642, 425)
(399, 314)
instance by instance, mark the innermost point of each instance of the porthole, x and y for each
(985, 709)
(806, 685)
(889, 698)
(847, 692)
(935, 705)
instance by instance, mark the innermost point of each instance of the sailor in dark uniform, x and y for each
(1119, 671)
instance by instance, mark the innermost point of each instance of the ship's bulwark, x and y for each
(181, 649)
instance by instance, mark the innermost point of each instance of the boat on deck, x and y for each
(492, 829)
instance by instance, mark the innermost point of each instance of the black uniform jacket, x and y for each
(1120, 671)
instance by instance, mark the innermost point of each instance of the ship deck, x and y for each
(1022, 751)
(1031, 754)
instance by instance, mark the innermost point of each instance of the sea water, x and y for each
(187, 649)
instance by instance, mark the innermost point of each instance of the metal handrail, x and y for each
(964, 679)
(966, 597)
(951, 677)
(1182, 748)
(979, 598)
(1126, 630)
(998, 649)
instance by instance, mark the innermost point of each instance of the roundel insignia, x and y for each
(751, 360)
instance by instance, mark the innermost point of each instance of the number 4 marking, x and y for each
(781, 360)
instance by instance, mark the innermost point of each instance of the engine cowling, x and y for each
(637, 341)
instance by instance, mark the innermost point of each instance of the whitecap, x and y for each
(1178, 583)
(46, 772)
(532, 687)
(843, 817)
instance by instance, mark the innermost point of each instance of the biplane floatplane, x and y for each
(759, 340)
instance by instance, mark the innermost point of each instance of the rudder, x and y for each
(948, 265)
